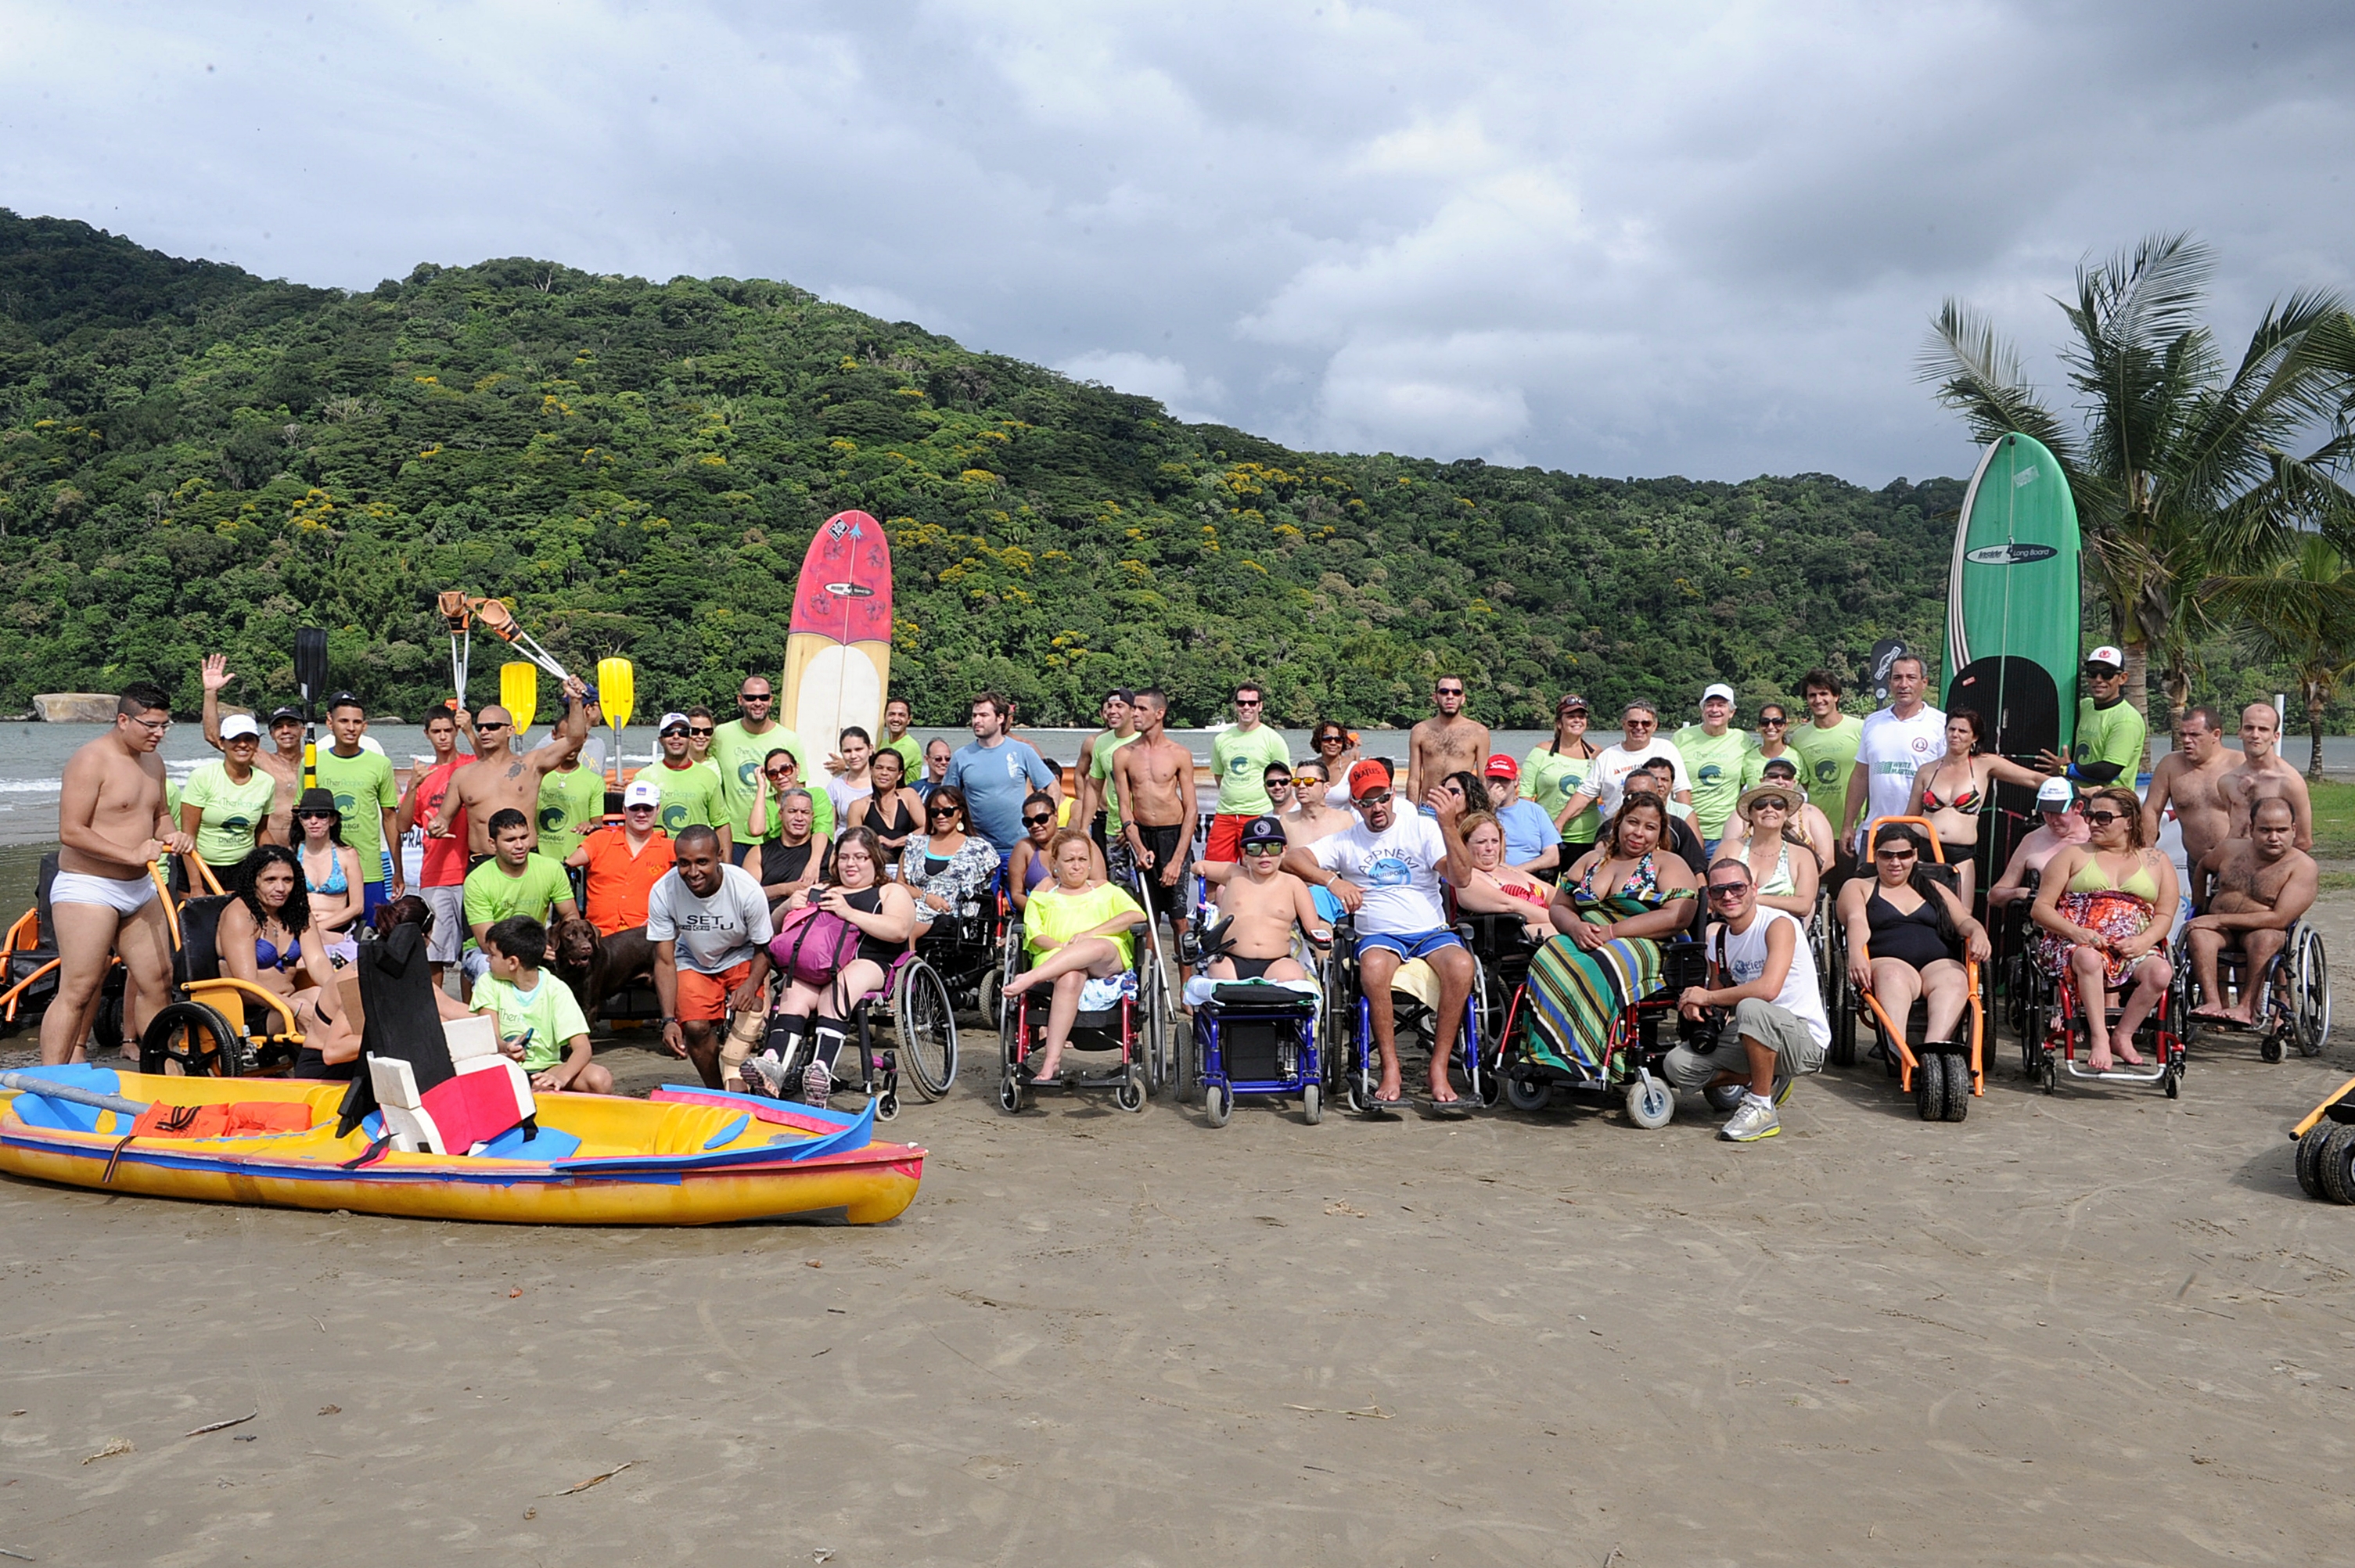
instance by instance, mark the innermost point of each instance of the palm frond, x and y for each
(1979, 375)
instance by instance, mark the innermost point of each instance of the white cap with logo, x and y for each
(2107, 655)
(1718, 689)
(240, 725)
(2056, 795)
(642, 791)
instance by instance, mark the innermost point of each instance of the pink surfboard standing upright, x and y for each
(839, 648)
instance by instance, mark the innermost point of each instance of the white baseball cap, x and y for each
(670, 719)
(2055, 794)
(642, 791)
(238, 725)
(1718, 689)
(2107, 655)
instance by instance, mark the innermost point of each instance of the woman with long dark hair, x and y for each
(268, 937)
(884, 914)
(2106, 907)
(1908, 933)
(1956, 788)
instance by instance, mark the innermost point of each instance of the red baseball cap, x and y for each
(1501, 766)
(1367, 777)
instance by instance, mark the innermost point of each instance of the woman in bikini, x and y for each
(1782, 862)
(1496, 888)
(2106, 907)
(268, 937)
(1954, 790)
(331, 872)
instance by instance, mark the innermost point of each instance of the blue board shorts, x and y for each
(1409, 944)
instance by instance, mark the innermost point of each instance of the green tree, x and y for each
(2298, 609)
(2183, 465)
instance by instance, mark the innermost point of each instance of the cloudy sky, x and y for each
(1647, 238)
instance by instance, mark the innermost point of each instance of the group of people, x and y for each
(738, 835)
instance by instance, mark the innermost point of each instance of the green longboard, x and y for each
(2012, 606)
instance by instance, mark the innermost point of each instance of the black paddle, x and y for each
(311, 679)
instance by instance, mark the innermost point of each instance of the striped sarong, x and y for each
(1574, 995)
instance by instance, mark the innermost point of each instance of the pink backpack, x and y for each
(813, 945)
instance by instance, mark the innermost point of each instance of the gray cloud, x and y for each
(1699, 238)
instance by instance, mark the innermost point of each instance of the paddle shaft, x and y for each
(27, 1083)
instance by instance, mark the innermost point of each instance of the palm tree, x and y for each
(2298, 611)
(2181, 466)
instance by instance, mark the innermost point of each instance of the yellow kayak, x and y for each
(686, 1157)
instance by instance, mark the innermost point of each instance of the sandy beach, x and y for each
(2095, 1327)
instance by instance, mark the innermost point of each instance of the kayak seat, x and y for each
(442, 1088)
(552, 1144)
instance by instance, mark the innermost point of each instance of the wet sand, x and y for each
(2097, 1327)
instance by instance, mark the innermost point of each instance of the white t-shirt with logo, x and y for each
(1745, 960)
(1613, 764)
(1892, 749)
(1398, 868)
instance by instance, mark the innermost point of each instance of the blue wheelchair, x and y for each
(1259, 1037)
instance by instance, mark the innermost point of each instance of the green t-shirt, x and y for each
(232, 812)
(2112, 734)
(1059, 916)
(493, 896)
(1100, 770)
(1827, 760)
(1713, 764)
(736, 759)
(548, 1013)
(690, 796)
(571, 802)
(1239, 757)
(1754, 766)
(363, 789)
(1551, 780)
(911, 751)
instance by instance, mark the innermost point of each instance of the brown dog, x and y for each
(598, 968)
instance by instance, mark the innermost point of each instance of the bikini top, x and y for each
(267, 957)
(1967, 803)
(333, 884)
(2092, 878)
(1643, 882)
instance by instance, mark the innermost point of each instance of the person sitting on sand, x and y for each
(1260, 904)
(267, 938)
(2253, 890)
(1078, 929)
(539, 1020)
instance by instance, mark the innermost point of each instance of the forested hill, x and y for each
(192, 458)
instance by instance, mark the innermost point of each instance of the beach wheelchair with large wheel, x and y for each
(2325, 1138)
(966, 949)
(2294, 1009)
(29, 958)
(1353, 1064)
(1129, 1018)
(215, 1026)
(1943, 1076)
(1541, 1058)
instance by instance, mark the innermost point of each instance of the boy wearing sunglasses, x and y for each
(1263, 902)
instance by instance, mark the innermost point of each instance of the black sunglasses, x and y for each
(2101, 817)
(1373, 797)
(1726, 889)
(1774, 719)
(754, 697)
(317, 815)
(483, 724)
(699, 733)
(1037, 821)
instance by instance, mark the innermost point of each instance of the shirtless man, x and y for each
(498, 780)
(1310, 818)
(284, 765)
(2061, 826)
(2263, 773)
(2187, 779)
(110, 824)
(1263, 902)
(2253, 889)
(1451, 742)
(1153, 783)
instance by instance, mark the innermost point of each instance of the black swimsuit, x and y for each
(1908, 938)
(874, 949)
(1252, 968)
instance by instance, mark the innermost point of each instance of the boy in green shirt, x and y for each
(538, 1018)
(571, 802)
(1826, 743)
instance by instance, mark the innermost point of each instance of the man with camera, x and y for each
(1762, 969)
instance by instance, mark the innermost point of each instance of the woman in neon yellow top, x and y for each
(1076, 930)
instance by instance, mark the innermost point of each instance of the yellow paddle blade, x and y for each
(520, 693)
(617, 690)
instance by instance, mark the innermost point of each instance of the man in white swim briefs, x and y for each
(111, 825)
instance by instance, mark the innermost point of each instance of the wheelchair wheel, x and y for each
(925, 1022)
(190, 1039)
(1723, 1097)
(2335, 1165)
(1132, 1094)
(1842, 1052)
(1958, 1098)
(1153, 1046)
(1187, 1052)
(1312, 1104)
(2310, 993)
(1217, 1104)
(1524, 1092)
(2309, 1157)
(1651, 1105)
(1930, 1086)
(1009, 1089)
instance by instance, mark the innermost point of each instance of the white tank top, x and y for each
(1745, 960)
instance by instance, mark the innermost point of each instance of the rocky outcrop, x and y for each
(74, 706)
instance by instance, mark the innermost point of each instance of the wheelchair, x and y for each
(1260, 1038)
(29, 959)
(1354, 1065)
(924, 1037)
(969, 950)
(2325, 1148)
(2296, 1008)
(215, 1026)
(1536, 1059)
(2051, 1051)
(1136, 1028)
(1942, 1081)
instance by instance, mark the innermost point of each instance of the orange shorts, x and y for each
(703, 998)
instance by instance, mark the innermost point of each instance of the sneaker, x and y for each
(765, 1075)
(1751, 1123)
(817, 1084)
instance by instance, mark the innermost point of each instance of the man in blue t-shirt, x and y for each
(1532, 843)
(996, 774)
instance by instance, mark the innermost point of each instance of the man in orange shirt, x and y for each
(624, 863)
